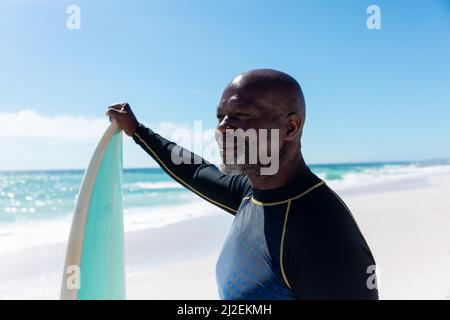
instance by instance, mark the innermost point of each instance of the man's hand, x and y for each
(124, 116)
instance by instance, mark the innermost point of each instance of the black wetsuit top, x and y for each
(299, 241)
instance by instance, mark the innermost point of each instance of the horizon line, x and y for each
(444, 160)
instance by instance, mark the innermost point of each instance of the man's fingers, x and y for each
(110, 113)
(117, 110)
(121, 111)
(119, 106)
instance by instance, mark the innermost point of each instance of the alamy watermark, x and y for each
(73, 21)
(374, 20)
(73, 281)
(241, 151)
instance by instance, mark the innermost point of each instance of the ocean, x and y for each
(36, 207)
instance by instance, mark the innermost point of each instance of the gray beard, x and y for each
(238, 169)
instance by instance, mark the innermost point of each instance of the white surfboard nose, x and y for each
(94, 266)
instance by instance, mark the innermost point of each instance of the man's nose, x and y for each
(225, 124)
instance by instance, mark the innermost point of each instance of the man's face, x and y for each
(240, 116)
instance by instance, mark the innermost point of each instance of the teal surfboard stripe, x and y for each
(102, 265)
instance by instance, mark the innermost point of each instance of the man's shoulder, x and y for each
(320, 199)
(324, 211)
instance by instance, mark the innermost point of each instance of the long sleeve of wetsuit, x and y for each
(200, 177)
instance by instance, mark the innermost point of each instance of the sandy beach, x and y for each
(406, 226)
(405, 223)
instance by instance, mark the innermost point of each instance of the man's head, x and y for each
(260, 99)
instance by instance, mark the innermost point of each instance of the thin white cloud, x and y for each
(30, 140)
(30, 124)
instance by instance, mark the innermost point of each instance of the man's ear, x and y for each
(293, 125)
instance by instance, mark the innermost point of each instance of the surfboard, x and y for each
(94, 266)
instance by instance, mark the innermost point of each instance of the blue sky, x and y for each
(372, 95)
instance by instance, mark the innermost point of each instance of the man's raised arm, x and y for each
(201, 177)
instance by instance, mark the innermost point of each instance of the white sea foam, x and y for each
(385, 175)
(156, 217)
(16, 236)
(21, 235)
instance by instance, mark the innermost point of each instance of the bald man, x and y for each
(292, 237)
